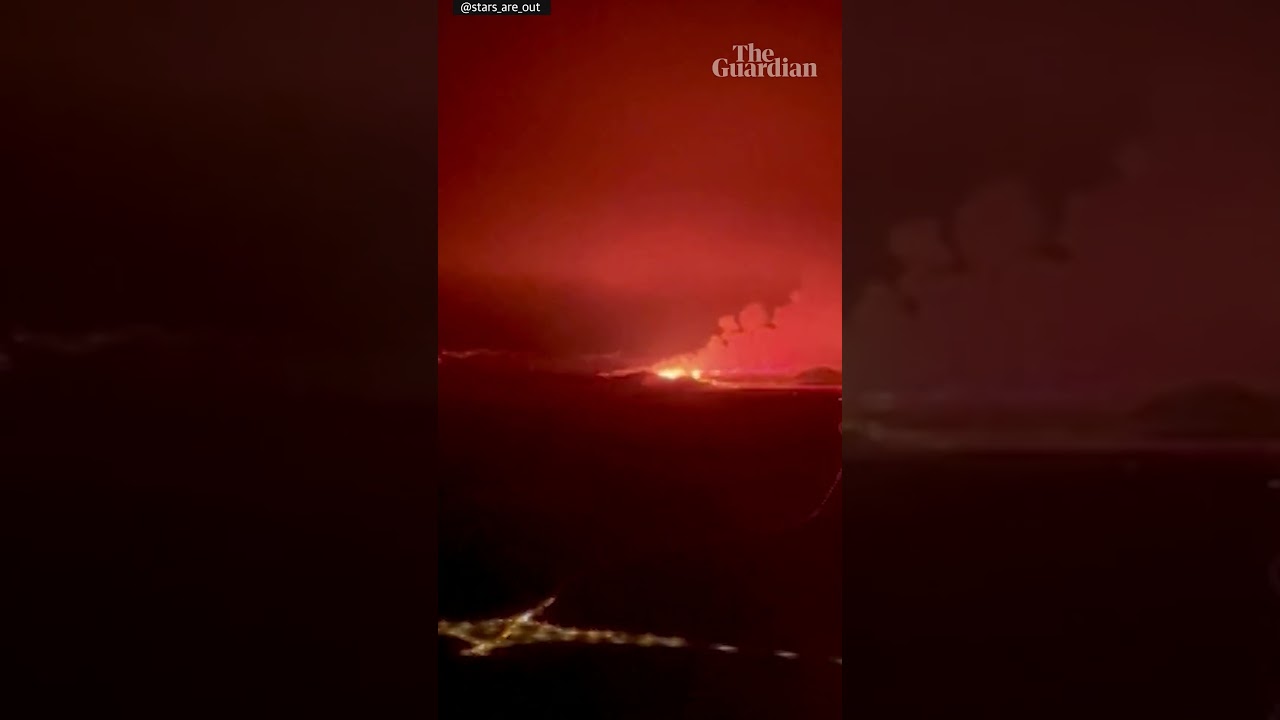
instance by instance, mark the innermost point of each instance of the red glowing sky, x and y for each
(600, 189)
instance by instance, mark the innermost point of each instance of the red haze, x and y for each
(592, 154)
(801, 334)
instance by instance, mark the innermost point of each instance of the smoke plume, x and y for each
(1172, 279)
(801, 334)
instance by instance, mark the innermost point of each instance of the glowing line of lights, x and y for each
(483, 637)
(525, 628)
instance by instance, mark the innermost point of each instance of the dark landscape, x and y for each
(184, 534)
(197, 542)
(1115, 584)
(667, 508)
(978, 583)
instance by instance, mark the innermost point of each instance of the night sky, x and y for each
(1057, 199)
(601, 190)
(235, 166)
(1075, 197)
(1110, 178)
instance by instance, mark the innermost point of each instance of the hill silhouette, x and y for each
(820, 376)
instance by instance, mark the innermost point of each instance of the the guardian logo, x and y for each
(751, 62)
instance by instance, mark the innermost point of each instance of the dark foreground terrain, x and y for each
(206, 544)
(183, 539)
(1038, 585)
(670, 510)
(985, 584)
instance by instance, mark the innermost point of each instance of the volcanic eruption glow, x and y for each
(678, 373)
(798, 336)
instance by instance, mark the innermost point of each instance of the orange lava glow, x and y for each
(679, 373)
(783, 341)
